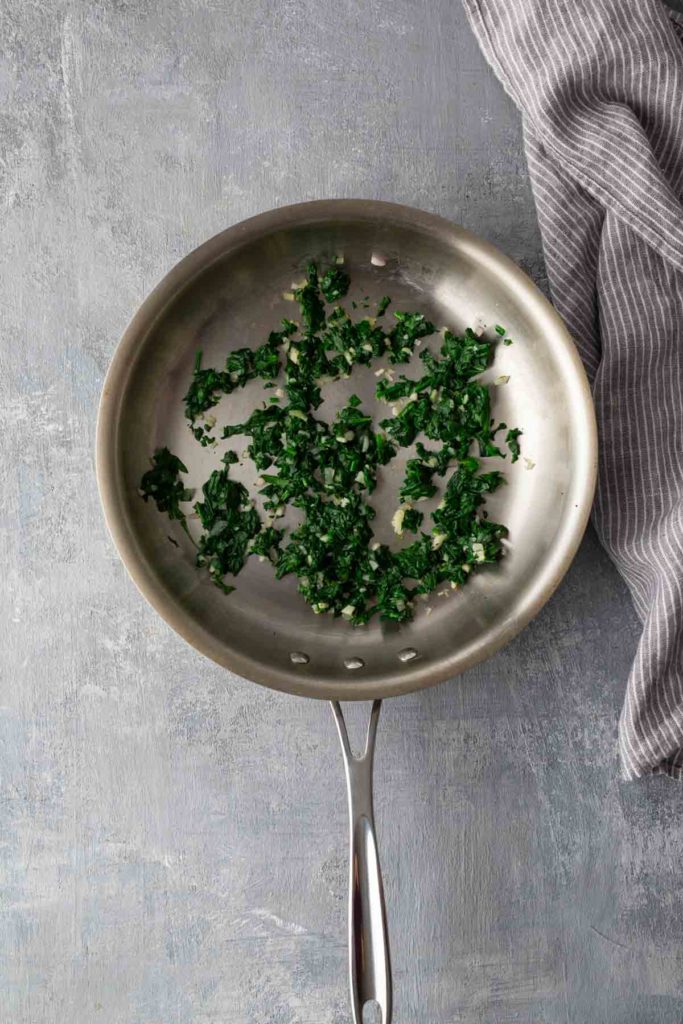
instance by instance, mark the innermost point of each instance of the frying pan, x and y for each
(228, 293)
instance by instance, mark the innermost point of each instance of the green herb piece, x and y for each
(446, 404)
(383, 305)
(205, 390)
(468, 538)
(417, 483)
(412, 520)
(266, 428)
(391, 391)
(267, 542)
(384, 450)
(244, 364)
(499, 330)
(355, 342)
(439, 461)
(310, 303)
(513, 443)
(416, 560)
(401, 339)
(162, 484)
(230, 522)
(334, 284)
(329, 553)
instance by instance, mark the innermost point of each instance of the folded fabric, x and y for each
(600, 87)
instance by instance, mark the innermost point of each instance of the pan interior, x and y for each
(229, 295)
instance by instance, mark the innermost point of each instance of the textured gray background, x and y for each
(172, 839)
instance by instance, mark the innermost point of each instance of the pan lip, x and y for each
(302, 681)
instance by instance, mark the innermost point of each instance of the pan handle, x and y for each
(369, 962)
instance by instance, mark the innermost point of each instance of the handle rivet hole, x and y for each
(353, 664)
(407, 654)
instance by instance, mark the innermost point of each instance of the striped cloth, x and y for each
(600, 87)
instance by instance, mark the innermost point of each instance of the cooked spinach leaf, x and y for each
(162, 484)
(334, 284)
(229, 521)
(513, 443)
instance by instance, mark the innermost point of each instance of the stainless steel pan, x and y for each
(227, 294)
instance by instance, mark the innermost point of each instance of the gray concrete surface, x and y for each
(172, 839)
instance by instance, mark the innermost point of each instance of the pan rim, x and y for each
(301, 680)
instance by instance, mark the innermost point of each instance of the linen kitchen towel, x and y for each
(600, 87)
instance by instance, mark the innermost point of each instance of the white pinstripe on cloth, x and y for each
(600, 87)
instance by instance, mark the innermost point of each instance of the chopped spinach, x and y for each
(513, 443)
(325, 472)
(208, 385)
(161, 483)
(229, 521)
(417, 483)
(334, 284)
(401, 339)
(310, 303)
(412, 520)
